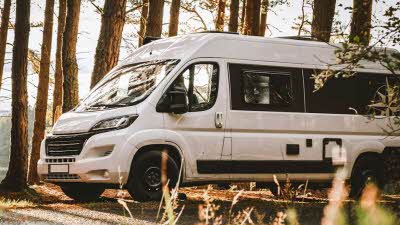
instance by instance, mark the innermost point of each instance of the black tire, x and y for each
(83, 192)
(367, 169)
(144, 183)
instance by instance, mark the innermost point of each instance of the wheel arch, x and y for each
(173, 151)
(364, 156)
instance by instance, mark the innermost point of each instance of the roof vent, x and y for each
(300, 38)
(149, 39)
(217, 32)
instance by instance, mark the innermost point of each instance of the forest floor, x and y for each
(48, 205)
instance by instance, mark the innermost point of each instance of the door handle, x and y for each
(218, 119)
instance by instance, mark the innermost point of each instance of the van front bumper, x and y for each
(87, 171)
(101, 160)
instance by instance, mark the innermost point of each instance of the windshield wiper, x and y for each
(108, 105)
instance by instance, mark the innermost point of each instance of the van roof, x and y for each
(277, 51)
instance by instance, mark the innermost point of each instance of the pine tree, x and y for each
(248, 19)
(243, 16)
(109, 42)
(360, 30)
(155, 18)
(256, 17)
(174, 18)
(17, 171)
(143, 20)
(263, 19)
(323, 13)
(234, 16)
(42, 93)
(5, 18)
(219, 24)
(70, 66)
(252, 18)
(58, 75)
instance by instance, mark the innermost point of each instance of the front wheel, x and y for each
(144, 183)
(83, 192)
(367, 170)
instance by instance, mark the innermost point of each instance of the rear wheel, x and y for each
(367, 170)
(144, 183)
(83, 192)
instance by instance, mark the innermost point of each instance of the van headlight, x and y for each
(115, 123)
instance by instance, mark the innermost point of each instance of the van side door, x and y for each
(200, 132)
(265, 118)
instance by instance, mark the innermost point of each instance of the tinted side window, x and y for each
(260, 87)
(344, 95)
(263, 88)
(201, 82)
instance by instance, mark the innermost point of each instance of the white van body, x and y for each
(222, 143)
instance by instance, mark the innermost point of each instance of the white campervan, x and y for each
(226, 108)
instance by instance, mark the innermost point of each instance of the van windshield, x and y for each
(127, 85)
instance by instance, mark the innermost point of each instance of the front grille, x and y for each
(60, 160)
(62, 176)
(66, 145)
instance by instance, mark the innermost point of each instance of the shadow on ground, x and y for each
(55, 208)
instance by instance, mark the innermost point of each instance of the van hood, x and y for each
(81, 122)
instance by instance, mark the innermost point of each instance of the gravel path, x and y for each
(48, 215)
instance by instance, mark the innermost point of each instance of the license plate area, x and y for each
(59, 168)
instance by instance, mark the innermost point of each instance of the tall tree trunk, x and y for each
(107, 51)
(174, 18)
(219, 24)
(256, 17)
(248, 20)
(361, 21)
(263, 19)
(42, 93)
(233, 16)
(155, 18)
(243, 16)
(143, 20)
(252, 19)
(58, 75)
(5, 18)
(323, 13)
(17, 171)
(70, 66)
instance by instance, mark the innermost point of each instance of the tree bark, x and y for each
(5, 19)
(143, 20)
(155, 18)
(108, 45)
(263, 19)
(70, 66)
(17, 171)
(58, 75)
(42, 93)
(248, 20)
(252, 19)
(234, 16)
(323, 13)
(360, 30)
(174, 18)
(243, 17)
(256, 17)
(219, 24)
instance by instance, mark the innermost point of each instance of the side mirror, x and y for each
(174, 101)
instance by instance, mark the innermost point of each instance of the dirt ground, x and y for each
(50, 206)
